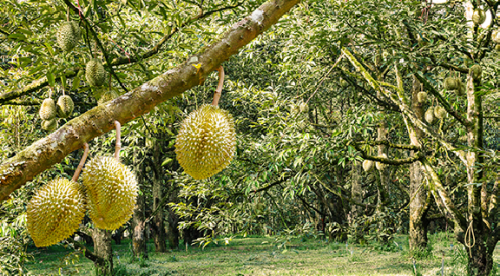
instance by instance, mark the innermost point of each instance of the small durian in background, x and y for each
(49, 125)
(48, 109)
(65, 106)
(68, 35)
(381, 166)
(111, 190)
(429, 115)
(439, 112)
(422, 97)
(107, 96)
(303, 107)
(450, 83)
(367, 165)
(479, 16)
(475, 71)
(55, 212)
(95, 73)
(206, 141)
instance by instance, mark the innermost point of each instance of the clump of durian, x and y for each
(422, 97)
(475, 71)
(429, 115)
(381, 166)
(206, 141)
(107, 96)
(94, 72)
(49, 125)
(48, 109)
(439, 112)
(65, 106)
(367, 165)
(55, 212)
(68, 35)
(111, 190)
(479, 16)
(450, 83)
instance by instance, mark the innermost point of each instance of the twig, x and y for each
(82, 162)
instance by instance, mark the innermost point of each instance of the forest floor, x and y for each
(268, 256)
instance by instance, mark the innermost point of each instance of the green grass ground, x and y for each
(261, 256)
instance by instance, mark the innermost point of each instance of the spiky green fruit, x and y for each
(367, 165)
(55, 212)
(429, 115)
(475, 71)
(49, 125)
(422, 97)
(107, 96)
(381, 166)
(439, 112)
(479, 16)
(111, 190)
(65, 106)
(68, 35)
(94, 73)
(48, 109)
(206, 141)
(450, 83)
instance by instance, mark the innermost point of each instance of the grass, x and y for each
(260, 256)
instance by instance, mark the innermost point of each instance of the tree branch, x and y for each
(44, 153)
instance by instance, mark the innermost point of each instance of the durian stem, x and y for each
(118, 144)
(67, 14)
(82, 162)
(218, 91)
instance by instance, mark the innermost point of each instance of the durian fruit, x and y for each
(107, 96)
(422, 97)
(65, 106)
(479, 16)
(367, 165)
(461, 88)
(49, 125)
(68, 35)
(111, 190)
(439, 112)
(94, 72)
(429, 115)
(381, 166)
(48, 109)
(294, 109)
(495, 36)
(303, 107)
(450, 83)
(476, 72)
(206, 141)
(55, 212)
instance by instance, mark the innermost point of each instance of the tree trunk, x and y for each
(103, 249)
(139, 239)
(382, 186)
(419, 199)
(172, 229)
(357, 195)
(158, 221)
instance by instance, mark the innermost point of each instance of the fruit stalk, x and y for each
(118, 144)
(218, 91)
(82, 162)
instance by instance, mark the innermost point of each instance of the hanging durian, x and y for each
(48, 109)
(303, 107)
(439, 112)
(65, 106)
(49, 125)
(68, 35)
(107, 96)
(450, 83)
(381, 166)
(422, 97)
(479, 16)
(55, 212)
(461, 88)
(475, 71)
(111, 189)
(206, 141)
(367, 165)
(95, 73)
(429, 115)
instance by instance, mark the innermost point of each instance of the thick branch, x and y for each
(389, 144)
(50, 150)
(88, 254)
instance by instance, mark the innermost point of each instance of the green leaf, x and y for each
(51, 78)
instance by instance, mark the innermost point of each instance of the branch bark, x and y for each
(44, 153)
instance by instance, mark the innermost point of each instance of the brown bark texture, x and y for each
(44, 153)
(159, 234)
(139, 239)
(357, 195)
(103, 249)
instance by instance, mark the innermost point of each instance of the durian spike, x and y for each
(218, 91)
(82, 162)
(118, 144)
